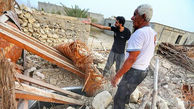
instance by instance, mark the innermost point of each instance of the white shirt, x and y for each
(142, 40)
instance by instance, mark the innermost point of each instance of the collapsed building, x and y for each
(42, 31)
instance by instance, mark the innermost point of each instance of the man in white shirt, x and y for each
(141, 47)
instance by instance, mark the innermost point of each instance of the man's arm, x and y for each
(96, 25)
(126, 66)
(100, 26)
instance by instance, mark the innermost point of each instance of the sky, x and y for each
(174, 13)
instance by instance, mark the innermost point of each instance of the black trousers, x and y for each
(127, 85)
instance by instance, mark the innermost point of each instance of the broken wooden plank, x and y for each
(46, 85)
(40, 92)
(28, 96)
(32, 45)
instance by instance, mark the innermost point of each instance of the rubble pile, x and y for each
(171, 77)
(43, 70)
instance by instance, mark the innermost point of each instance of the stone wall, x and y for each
(52, 29)
(52, 8)
(164, 33)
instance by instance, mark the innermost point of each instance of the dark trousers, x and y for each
(127, 85)
(119, 58)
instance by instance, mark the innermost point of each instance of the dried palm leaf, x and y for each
(81, 56)
(7, 84)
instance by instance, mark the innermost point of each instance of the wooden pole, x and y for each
(154, 99)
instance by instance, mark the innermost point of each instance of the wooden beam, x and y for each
(46, 85)
(32, 45)
(40, 92)
(26, 96)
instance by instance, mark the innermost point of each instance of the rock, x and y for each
(165, 86)
(24, 24)
(101, 65)
(166, 64)
(29, 25)
(135, 96)
(50, 35)
(70, 107)
(18, 11)
(60, 77)
(42, 31)
(102, 100)
(23, 7)
(27, 15)
(148, 105)
(49, 41)
(31, 20)
(87, 107)
(161, 103)
(30, 30)
(36, 25)
(53, 81)
(44, 36)
(179, 104)
(55, 36)
(37, 73)
(26, 72)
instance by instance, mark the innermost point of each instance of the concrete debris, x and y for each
(27, 72)
(179, 104)
(166, 65)
(135, 96)
(70, 107)
(161, 103)
(102, 100)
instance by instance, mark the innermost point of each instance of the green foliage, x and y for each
(76, 11)
(42, 9)
(58, 12)
(53, 11)
(94, 20)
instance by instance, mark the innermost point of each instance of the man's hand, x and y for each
(114, 81)
(87, 21)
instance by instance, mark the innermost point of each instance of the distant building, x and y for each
(164, 33)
